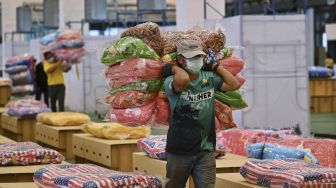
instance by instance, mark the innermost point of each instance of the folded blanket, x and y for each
(27, 153)
(291, 173)
(89, 176)
(63, 118)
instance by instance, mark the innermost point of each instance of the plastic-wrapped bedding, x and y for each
(211, 39)
(16, 69)
(148, 32)
(233, 64)
(323, 149)
(14, 60)
(232, 98)
(116, 131)
(26, 107)
(22, 89)
(90, 176)
(133, 116)
(21, 78)
(70, 54)
(271, 151)
(127, 48)
(293, 173)
(162, 112)
(172, 39)
(141, 68)
(145, 86)
(27, 153)
(154, 146)
(130, 99)
(224, 115)
(63, 118)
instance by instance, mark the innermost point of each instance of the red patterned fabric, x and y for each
(233, 64)
(91, 176)
(285, 173)
(130, 99)
(27, 153)
(224, 116)
(162, 112)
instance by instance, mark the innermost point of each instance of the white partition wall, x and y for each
(275, 50)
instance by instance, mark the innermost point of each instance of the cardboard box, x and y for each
(5, 140)
(233, 180)
(143, 164)
(114, 154)
(2, 110)
(5, 93)
(323, 104)
(18, 129)
(19, 173)
(59, 138)
(17, 185)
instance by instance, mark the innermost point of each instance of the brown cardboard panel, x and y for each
(233, 180)
(58, 137)
(24, 128)
(4, 139)
(321, 87)
(19, 173)
(5, 93)
(18, 185)
(115, 154)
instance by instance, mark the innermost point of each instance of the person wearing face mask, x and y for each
(54, 69)
(191, 137)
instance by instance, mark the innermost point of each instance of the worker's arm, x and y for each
(230, 83)
(52, 68)
(65, 67)
(180, 79)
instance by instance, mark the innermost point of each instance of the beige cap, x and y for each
(190, 48)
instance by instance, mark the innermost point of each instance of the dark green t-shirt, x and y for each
(200, 96)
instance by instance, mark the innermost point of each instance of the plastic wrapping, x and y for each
(231, 98)
(146, 86)
(16, 69)
(130, 99)
(5, 81)
(226, 52)
(140, 68)
(224, 116)
(320, 72)
(211, 39)
(292, 173)
(89, 176)
(19, 58)
(240, 79)
(47, 39)
(233, 64)
(271, 151)
(22, 78)
(237, 140)
(63, 118)
(323, 149)
(23, 89)
(162, 112)
(148, 32)
(127, 48)
(154, 146)
(26, 108)
(172, 39)
(27, 153)
(70, 54)
(116, 131)
(133, 116)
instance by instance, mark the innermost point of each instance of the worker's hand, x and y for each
(209, 60)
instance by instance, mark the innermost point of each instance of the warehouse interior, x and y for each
(107, 109)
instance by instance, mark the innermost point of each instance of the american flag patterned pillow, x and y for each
(91, 176)
(288, 173)
(27, 153)
(155, 147)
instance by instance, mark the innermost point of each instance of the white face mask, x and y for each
(194, 65)
(51, 59)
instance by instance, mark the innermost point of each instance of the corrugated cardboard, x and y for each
(4, 139)
(60, 138)
(23, 128)
(18, 185)
(115, 154)
(233, 180)
(2, 110)
(5, 93)
(19, 173)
